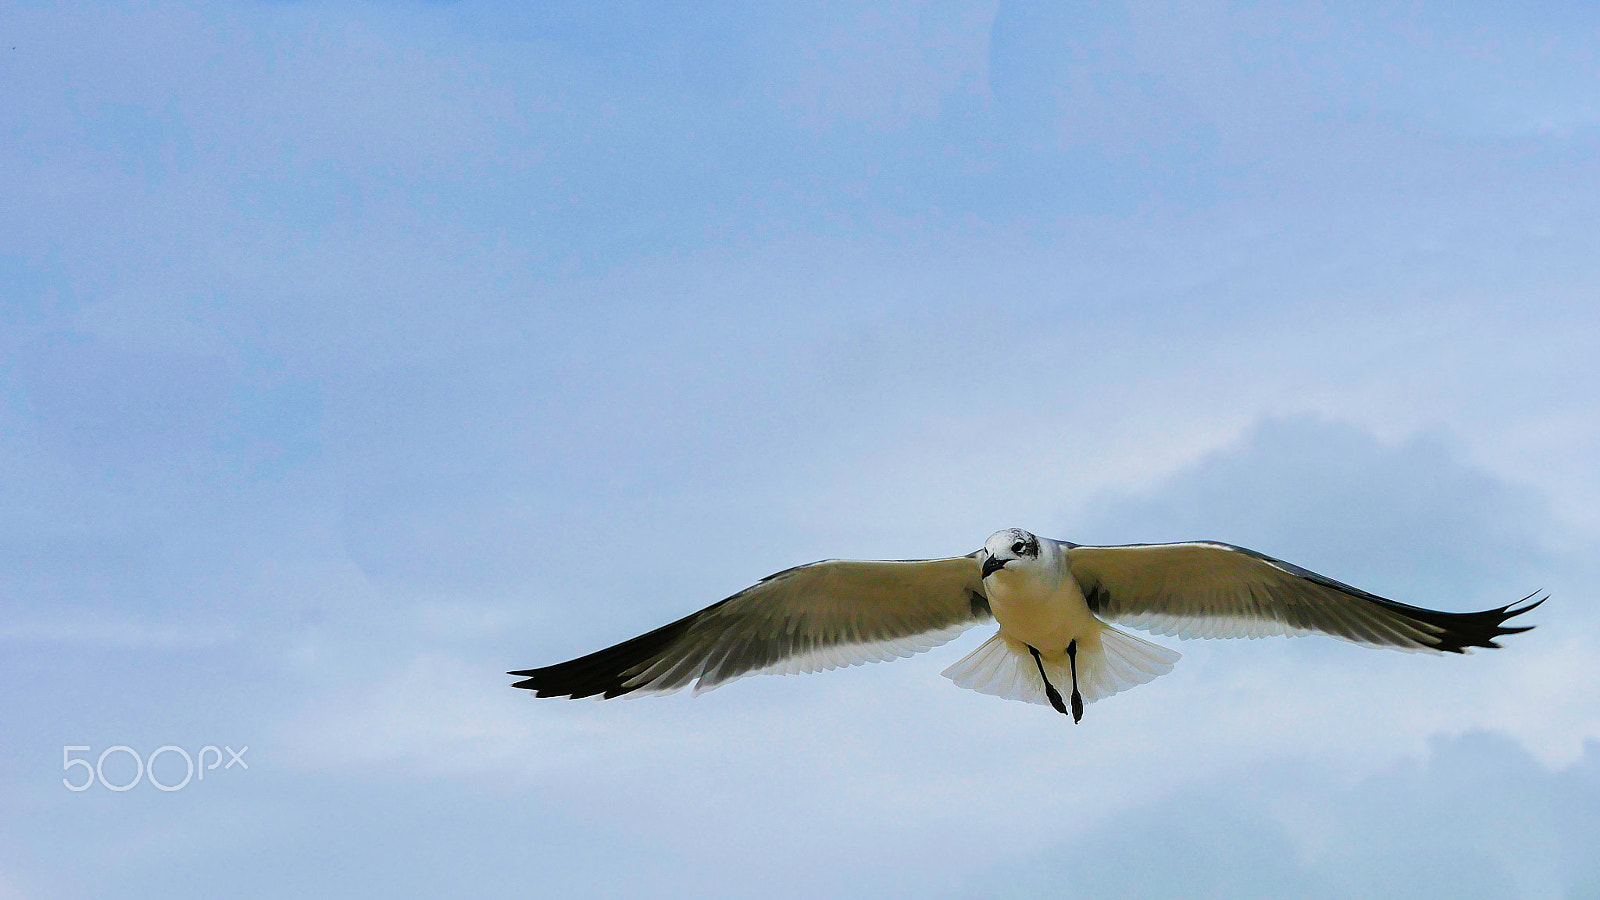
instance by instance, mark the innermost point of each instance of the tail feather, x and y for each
(997, 667)
(1124, 661)
(991, 670)
(1108, 663)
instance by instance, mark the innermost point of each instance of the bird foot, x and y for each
(1055, 695)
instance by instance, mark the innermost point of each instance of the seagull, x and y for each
(1056, 604)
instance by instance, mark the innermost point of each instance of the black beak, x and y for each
(993, 564)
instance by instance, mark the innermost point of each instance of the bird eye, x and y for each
(1018, 547)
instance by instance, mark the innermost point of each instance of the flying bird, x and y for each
(1056, 603)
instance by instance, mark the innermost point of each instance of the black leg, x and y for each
(1049, 689)
(1077, 698)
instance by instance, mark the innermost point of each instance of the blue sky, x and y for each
(353, 354)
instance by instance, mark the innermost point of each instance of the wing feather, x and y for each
(819, 616)
(1206, 589)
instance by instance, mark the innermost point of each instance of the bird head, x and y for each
(1011, 547)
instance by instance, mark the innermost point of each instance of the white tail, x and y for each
(1108, 662)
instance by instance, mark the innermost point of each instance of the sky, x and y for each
(353, 354)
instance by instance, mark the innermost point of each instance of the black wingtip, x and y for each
(1534, 605)
(529, 682)
(605, 673)
(1462, 631)
(577, 678)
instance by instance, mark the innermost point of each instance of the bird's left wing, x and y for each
(1205, 589)
(813, 617)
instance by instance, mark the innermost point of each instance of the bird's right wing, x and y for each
(813, 617)
(1206, 589)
